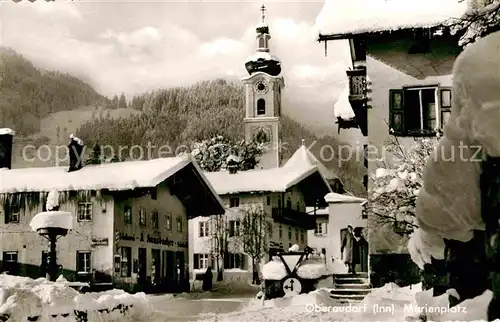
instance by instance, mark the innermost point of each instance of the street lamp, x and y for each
(52, 225)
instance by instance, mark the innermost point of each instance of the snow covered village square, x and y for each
(240, 161)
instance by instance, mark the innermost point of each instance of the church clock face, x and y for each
(261, 87)
(262, 135)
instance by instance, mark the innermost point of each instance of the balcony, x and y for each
(357, 84)
(293, 218)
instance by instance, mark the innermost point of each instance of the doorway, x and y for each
(359, 248)
(156, 269)
(180, 269)
(142, 274)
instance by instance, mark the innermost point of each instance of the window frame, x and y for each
(155, 220)
(179, 224)
(11, 265)
(439, 110)
(142, 217)
(89, 204)
(12, 216)
(127, 214)
(83, 252)
(168, 222)
(234, 228)
(234, 202)
(124, 251)
(261, 107)
(203, 229)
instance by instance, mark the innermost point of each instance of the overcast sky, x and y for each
(132, 47)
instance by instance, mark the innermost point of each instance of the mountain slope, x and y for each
(28, 93)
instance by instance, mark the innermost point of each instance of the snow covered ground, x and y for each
(24, 299)
(388, 303)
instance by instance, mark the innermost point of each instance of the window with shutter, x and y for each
(396, 112)
(444, 104)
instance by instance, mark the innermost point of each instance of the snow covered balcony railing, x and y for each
(294, 218)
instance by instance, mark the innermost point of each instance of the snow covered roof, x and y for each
(261, 55)
(112, 176)
(319, 211)
(5, 130)
(267, 180)
(342, 107)
(340, 17)
(333, 197)
(304, 157)
(263, 74)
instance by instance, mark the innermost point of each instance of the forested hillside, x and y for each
(178, 117)
(45, 106)
(28, 93)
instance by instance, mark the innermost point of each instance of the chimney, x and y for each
(76, 150)
(6, 140)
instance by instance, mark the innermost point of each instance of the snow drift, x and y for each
(25, 299)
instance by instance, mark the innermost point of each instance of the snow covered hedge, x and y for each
(396, 185)
(25, 299)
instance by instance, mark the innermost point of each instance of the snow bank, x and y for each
(274, 271)
(339, 267)
(311, 270)
(23, 299)
(52, 219)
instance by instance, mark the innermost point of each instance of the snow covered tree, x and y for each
(122, 102)
(481, 19)
(396, 185)
(212, 154)
(254, 236)
(219, 242)
(95, 156)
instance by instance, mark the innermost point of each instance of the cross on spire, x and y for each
(263, 11)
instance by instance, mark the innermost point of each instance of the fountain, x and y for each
(52, 224)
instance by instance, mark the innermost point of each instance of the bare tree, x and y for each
(219, 242)
(254, 236)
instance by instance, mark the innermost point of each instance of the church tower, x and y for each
(263, 88)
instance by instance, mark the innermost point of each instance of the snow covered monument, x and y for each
(129, 228)
(402, 55)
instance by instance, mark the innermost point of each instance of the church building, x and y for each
(263, 89)
(282, 190)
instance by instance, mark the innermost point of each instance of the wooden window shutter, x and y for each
(444, 105)
(196, 261)
(396, 112)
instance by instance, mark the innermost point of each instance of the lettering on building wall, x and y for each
(100, 241)
(154, 240)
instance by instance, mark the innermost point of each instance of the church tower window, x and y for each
(261, 106)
